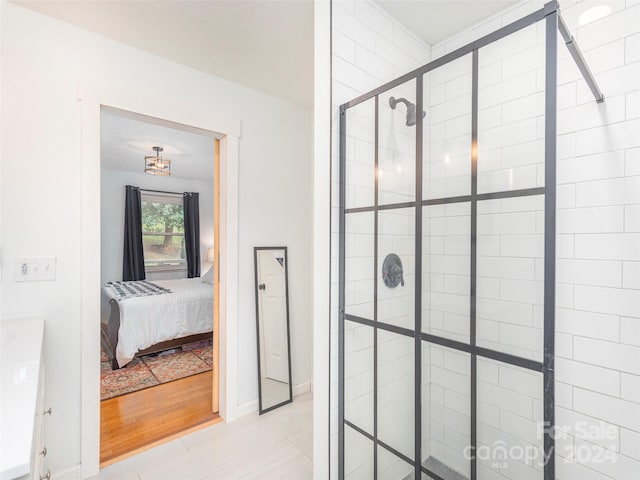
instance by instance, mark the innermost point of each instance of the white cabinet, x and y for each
(23, 412)
(39, 450)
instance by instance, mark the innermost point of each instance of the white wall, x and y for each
(597, 319)
(45, 63)
(321, 236)
(112, 193)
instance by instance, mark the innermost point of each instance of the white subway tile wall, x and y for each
(396, 235)
(358, 455)
(396, 147)
(598, 242)
(447, 130)
(396, 391)
(358, 376)
(511, 112)
(369, 48)
(390, 467)
(359, 251)
(509, 417)
(446, 406)
(509, 308)
(446, 270)
(360, 155)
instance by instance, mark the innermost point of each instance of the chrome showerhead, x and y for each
(411, 109)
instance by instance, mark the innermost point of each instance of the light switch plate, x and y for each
(35, 269)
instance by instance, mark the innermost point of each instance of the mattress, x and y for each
(145, 321)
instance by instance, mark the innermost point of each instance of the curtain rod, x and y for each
(161, 191)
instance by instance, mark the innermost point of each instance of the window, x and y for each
(163, 232)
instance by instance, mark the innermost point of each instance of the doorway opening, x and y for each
(160, 314)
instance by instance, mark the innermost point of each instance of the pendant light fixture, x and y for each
(157, 165)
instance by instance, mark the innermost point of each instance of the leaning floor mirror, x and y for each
(272, 327)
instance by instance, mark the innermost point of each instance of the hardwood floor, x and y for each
(137, 421)
(275, 446)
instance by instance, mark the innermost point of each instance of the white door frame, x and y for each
(199, 116)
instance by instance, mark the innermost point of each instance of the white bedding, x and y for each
(145, 321)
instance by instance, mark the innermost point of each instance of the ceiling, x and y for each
(266, 45)
(436, 20)
(125, 139)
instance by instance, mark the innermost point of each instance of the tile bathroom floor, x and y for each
(276, 445)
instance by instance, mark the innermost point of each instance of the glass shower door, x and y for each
(443, 269)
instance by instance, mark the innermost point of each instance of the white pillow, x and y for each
(208, 277)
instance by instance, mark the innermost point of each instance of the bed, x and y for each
(147, 324)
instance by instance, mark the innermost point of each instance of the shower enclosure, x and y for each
(447, 263)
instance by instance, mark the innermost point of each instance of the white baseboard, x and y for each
(73, 473)
(301, 388)
(242, 410)
(252, 406)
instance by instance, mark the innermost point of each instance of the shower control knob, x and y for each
(396, 272)
(392, 272)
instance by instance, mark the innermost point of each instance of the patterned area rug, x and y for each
(154, 369)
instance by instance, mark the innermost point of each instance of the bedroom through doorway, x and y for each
(159, 283)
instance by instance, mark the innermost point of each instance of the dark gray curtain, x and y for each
(133, 258)
(192, 233)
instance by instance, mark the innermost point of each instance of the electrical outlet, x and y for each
(35, 269)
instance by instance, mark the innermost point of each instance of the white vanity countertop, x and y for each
(20, 352)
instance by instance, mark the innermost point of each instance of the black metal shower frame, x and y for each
(550, 13)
